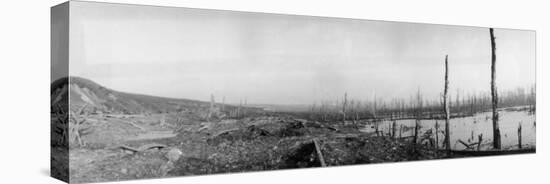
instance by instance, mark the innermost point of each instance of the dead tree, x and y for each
(239, 108)
(61, 125)
(416, 131)
(374, 116)
(211, 109)
(223, 104)
(401, 131)
(352, 111)
(419, 107)
(436, 135)
(447, 140)
(357, 109)
(323, 110)
(457, 103)
(394, 129)
(480, 140)
(494, 95)
(344, 104)
(245, 109)
(519, 136)
(76, 129)
(532, 100)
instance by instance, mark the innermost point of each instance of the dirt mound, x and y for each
(291, 129)
(248, 133)
(279, 129)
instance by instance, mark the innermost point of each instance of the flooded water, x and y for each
(467, 129)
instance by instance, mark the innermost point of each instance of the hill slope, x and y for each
(99, 98)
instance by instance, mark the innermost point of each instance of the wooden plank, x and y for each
(319, 153)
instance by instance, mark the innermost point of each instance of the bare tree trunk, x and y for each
(376, 128)
(245, 110)
(519, 136)
(416, 131)
(374, 115)
(401, 131)
(389, 130)
(419, 114)
(436, 135)
(74, 127)
(352, 111)
(211, 109)
(325, 109)
(494, 95)
(239, 108)
(479, 140)
(457, 104)
(394, 129)
(344, 104)
(447, 140)
(223, 104)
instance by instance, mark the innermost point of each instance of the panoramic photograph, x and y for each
(152, 92)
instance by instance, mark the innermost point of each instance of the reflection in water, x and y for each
(467, 129)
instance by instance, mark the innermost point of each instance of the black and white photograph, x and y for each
(274, 91)
(152, 92)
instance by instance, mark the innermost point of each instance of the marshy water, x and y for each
(467, 129)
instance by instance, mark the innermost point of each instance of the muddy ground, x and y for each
(223, 146)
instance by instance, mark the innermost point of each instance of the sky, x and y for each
(285, 59)
(59, 26)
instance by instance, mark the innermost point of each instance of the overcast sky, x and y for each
(283, 59)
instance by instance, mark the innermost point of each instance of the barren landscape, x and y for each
(161, 137)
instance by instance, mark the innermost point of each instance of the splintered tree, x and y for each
(344, 104)
(223, 104)
(447, 140)
(393, 129)
(76, 129)
(211, 109)
(239, 108)
(494, 95)
(312, 110)
(245, 110)
(436, 135)
(532, 100)
(351, 110)
(457, 102)
(374, 114)
(357, 107)
(519, 136)
(418, 114)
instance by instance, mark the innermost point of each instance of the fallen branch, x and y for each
(319, 154)
(316, 143)
(136, 126)
(468, 146)
(141, 148)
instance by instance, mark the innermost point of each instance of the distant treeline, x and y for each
(416, 106)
